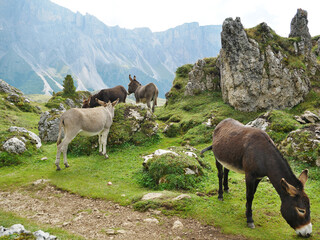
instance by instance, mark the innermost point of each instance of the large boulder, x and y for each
(256, 71)
(48, 125)
(175, 168)
(303, 144)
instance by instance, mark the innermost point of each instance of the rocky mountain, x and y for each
(260, 70)
(42, 42)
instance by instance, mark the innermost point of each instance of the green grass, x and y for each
(88, 176)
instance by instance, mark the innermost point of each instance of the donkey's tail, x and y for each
(206, 149)
(60, 131)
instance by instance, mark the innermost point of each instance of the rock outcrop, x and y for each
(303, 144)
(299, 28)
(19, 139)
(203, 76)
(48, 125)
(256, 71)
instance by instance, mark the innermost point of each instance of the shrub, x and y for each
(184, 70)
(168, 172)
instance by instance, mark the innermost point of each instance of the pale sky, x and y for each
(161, 15)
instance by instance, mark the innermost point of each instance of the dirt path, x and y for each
(99, 219)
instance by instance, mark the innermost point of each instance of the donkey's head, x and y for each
(109, 105)
(133, 85)
(295, 207)
(86, 103)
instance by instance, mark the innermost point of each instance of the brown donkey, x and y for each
(144, 94)
(251, 151)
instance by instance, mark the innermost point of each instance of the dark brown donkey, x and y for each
(106, 95)
(251, 151)
(144, 94)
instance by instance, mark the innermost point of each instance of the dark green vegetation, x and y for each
(69, 89)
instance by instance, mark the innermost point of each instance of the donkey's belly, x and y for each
(88, 134)
(231, 167)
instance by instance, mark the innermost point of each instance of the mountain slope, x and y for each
(41, 42)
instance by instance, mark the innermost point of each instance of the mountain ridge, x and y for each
(42, 42)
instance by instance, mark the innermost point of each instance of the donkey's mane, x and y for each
(297, 183)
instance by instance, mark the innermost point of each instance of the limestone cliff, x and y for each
(260, 70)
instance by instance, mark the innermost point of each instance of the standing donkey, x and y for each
(144, 94)
(252, 152)
(88, 122)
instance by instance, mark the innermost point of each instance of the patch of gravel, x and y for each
(100, 219)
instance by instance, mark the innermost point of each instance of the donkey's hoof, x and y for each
(226, 190)
(106, 156)
(251, 225)
(66, 165)
(220, 199)
(58, 169)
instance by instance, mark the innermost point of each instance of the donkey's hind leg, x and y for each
(225, 180)
(220, 176)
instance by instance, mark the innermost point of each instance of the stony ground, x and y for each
(99, 219)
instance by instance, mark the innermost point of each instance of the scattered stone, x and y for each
(44, 158)
(151, 220)
(182, 196)
(40, 181)
(261, 123)
(18, 229)
(177, 225)
(150, 196)
(188, 171)
(111, 231)
(31, 134)
(308, 117)
(109, 183)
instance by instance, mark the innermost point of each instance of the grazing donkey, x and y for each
(251, 151)
(88, 122)
(106, 95)
(144, 94)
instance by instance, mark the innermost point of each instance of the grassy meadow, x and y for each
(89, 175)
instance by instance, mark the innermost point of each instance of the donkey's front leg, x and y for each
(251, 187)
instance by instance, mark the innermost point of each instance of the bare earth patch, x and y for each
(100, 219)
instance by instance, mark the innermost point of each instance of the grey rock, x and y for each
(150, 196)
(177, 225)
(252, 80)
(32, 135)
(6, 88)
(14, 145)
(48, 125)
(199, 80)
(308, 117)
(299, 28)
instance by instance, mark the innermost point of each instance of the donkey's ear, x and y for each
(291, 190)
(130, 78)
(115, 102)
(304, 176)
